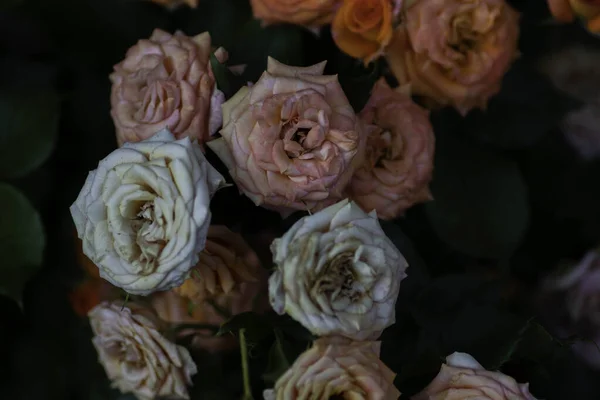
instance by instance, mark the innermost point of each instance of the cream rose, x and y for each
(337, 273)
(166, 82)
(462, 377)
(143, 215)
(136, 357)
(337, 368)
(399, 157)
(292, 140)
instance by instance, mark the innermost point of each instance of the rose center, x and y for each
(337, 280)
(149, 227)
(384, 151)
(463, 37)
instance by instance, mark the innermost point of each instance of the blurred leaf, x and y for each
(254, 44)
(278, 361)
(256, 325)
(21, 240)
(227, 81)
(440, 301)
(417, 272)
(480, 202)
(30, 121)
(526, 109)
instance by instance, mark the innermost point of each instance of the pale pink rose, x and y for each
(229, 275)
(455, 52)
(166, 82)
(574, 298)
(292, 140)
(462, 377)
(399, 155)
(135, 355)
(337, 367)
(582, 130)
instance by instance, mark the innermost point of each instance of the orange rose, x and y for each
(312, 13)
(171, 4)
(363, 28)
(399, 158)
(228, 276)
(455, 52)
(566, 10)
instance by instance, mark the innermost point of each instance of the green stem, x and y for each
(245, 368)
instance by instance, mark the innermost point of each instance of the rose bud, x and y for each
(567, 10)
(363, 28)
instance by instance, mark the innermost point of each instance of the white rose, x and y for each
(337, 273)
(136, 356)
(143, 215)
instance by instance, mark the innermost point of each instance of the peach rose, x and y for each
(337, 368)
(462, 377)
(292, 140)
(363, 28)
(225, 263)
(455, 52)
(311, 13)
(136, 357)
(588, 10)
(172, 4)
(166, 82)
(228, 275)
(574, 298)
(399, 157)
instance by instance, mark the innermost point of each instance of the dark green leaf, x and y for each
(417, 272)
(27, 138)
(254, 44)
(278, 361)
(256, 325)
(527, 108)
(480, 202)
(21, 240)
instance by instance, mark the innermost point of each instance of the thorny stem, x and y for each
(245, 368)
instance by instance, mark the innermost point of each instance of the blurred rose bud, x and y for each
(570, 302)
(226, 263)
(455, 52)
(228, 276)
(292, 140)
(172, 4)
(363, 28)
(337, 273)
(135, 355)
(310, 13)
(143, 215)
(337, 368)
(166, 82)
(567, 10)
(462, 377)
(399, 156)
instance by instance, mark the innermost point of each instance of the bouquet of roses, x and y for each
(251, 206)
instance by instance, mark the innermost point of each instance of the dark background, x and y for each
(513, 200)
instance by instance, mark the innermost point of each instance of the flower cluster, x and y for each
(291, 141)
